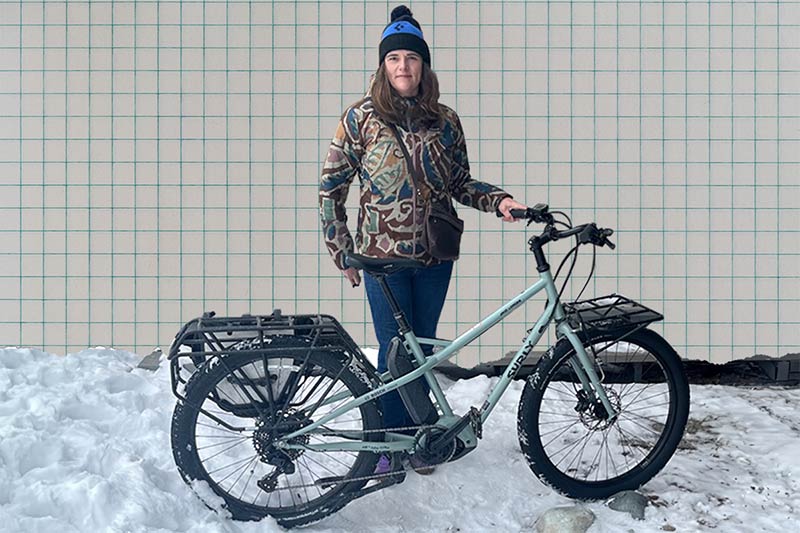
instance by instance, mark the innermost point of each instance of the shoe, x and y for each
(421, 467)
(389, 469)
(384, 464)
(384, 468)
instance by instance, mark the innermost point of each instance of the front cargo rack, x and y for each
(610, 312)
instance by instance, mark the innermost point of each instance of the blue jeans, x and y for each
(420, 294)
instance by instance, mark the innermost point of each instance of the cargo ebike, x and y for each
(280, 414)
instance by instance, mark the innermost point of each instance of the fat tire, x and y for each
(537, 384)
(190, 465)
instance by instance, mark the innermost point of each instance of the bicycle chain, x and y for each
(370, 477)
(388, 430)
(379, 476)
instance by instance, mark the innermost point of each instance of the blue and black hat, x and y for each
(403, 33)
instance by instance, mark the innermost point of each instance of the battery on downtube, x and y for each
(415, 395)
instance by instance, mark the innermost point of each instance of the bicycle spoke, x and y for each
(247, 483)
(217, 444)
(246, 459)
(332, 472)
(570, 446)
(303, 483)
(609, 458)
(581, 445)
(627, 441)
(635, 421)
(653, 419)
(594, 465)
(226, 449)
(560, 433)
(638, 395)
(244, 470)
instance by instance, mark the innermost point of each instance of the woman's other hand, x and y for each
(505, 207)
(352, 276)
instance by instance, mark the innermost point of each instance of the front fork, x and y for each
(584, 369)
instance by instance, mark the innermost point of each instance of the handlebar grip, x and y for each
(537, 213)
(516, 213)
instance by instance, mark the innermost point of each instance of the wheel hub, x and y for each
(592, 413)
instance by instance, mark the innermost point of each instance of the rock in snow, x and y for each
(629, 501)
(572, 519)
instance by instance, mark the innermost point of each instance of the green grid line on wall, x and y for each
(160, 159)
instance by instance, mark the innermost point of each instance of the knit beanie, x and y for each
(403, 33)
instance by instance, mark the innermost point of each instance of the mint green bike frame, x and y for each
(395, 442)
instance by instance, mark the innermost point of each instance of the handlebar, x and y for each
(586, 233)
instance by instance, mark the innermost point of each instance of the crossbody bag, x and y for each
(443, 228)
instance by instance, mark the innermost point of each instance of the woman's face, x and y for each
(404, 70)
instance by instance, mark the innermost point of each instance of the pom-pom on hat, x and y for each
(403, 33)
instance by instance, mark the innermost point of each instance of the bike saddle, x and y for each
(375, 265)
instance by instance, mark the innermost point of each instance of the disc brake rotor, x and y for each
(593, 414)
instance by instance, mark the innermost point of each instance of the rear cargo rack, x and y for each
(208, 337)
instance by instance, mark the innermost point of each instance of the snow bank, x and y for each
(84, 446)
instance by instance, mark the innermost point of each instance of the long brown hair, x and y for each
(386, 101)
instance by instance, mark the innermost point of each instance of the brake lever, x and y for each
(589, 234)
(605, 233)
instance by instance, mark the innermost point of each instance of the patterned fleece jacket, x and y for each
(392, 210)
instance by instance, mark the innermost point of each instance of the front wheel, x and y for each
(566, 434)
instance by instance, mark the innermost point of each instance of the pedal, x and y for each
(385, 482)
(393, 479)
(390, 478)
(475, 421)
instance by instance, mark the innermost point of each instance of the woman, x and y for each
(403, 95)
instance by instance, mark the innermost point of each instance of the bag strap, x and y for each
(409, 161)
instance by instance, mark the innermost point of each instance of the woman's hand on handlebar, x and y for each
(505, 207)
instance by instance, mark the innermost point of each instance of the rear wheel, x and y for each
(569, 440)
(238, 405)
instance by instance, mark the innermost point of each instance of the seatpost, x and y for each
(398, 314)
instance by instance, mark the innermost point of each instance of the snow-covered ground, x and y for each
(84, 446)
